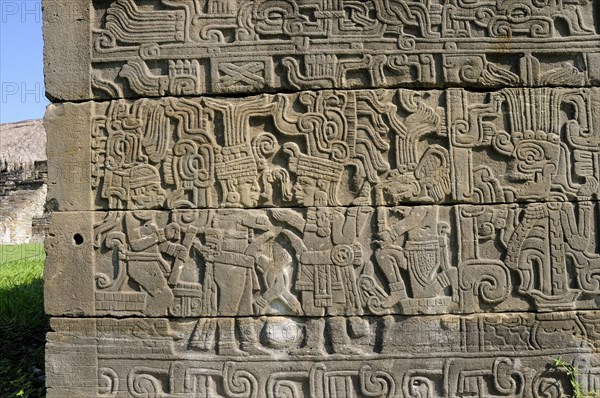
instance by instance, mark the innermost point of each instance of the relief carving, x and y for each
(157, 48)
(345, 262)
(407, 207)
(508, 355)
(341, 148)
(539, 144)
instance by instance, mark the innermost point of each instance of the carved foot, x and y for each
(254, 349)
(393, 298)
(347, 350)
(308, 351)
(231, 350)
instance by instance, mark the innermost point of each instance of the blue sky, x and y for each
(21, 61)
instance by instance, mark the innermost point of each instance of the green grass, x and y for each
(23, 324)
(572, 373)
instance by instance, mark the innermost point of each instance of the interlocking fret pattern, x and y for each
(135, 48)
(323, 198)
(332, 148)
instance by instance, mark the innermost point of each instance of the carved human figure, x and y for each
(233, 244)
(327, 250)
(328, 254)
(540, 245)
(413, 249)
(242, 191)
(147, 243)
(145, 191)
(413, 254)
(237, 172)
(421, 173)
(542, 237)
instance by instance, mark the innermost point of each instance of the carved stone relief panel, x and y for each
(406, 206)
(150, 48)
(329, 148)
(508, 355)
(326, 261)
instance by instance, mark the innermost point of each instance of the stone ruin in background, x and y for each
(322, 198)
(23, 185)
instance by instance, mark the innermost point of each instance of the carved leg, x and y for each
(234, 285)
(227, 343)
(203, 337)
(389, 261)
(314, 342)
(249, 337)
(452, 276)
(388, 333)
(340, 341)
(149, 276)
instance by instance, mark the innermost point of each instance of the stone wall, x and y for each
(325, 199)
(22, 204)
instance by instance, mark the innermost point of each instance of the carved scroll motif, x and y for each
(321, 261)
(388, 147)
(156, 48)
(496, 355)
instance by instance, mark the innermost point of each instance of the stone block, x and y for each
(101, 49)
(406, 206)
(69, 150)
(326, 148)
(502, 355)
(68, 279)
(321, 261)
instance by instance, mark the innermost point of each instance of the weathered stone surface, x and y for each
(509, 355)
(327, 148)
(135, 48)
(321, 261)
(69, 156)
(364, 239)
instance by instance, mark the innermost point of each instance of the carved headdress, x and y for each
(235, 162)
(325, 172)
(142, 176)
(143, 187)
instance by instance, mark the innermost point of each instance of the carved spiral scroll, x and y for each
(420, 384)
(507, 379)
(108, 382)
(489, 281)
(264, 146)
(239, 383)
(376, 384)
(142, 383)
(547, 387)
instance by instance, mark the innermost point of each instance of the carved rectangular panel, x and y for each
(406, 206)
(327, 148)
(508, 355)
(150, 48)
(325, 261)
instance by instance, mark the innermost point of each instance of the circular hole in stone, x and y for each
(78, 239)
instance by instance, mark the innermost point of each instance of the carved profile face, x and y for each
(400, 188)
(249, 191)
(150, 196)
(535, 161)
(531, 156)
(305, 190)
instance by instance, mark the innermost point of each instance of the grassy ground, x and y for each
(23, 324)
